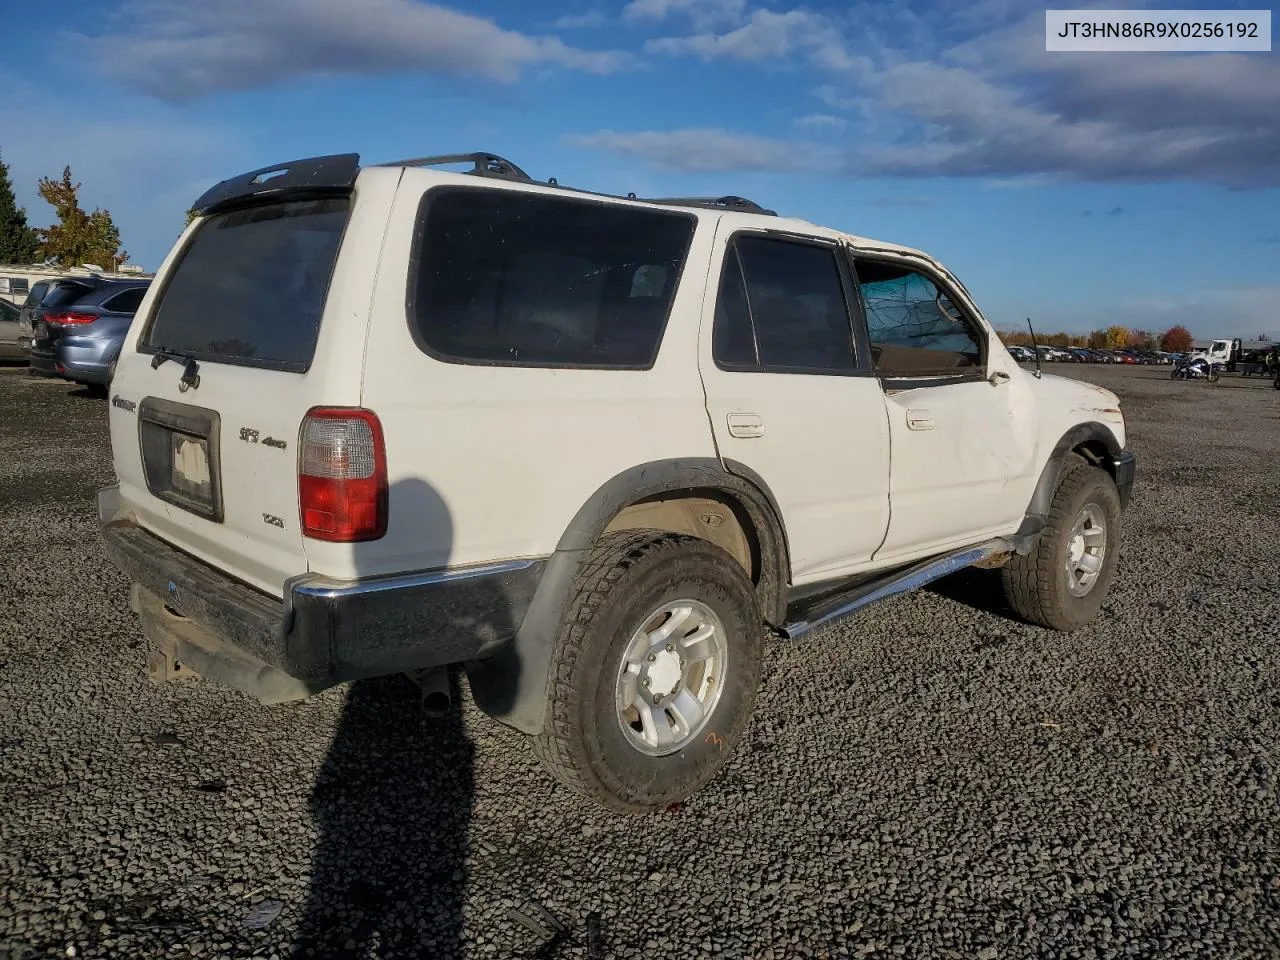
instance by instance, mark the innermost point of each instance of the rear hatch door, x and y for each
(248, 326)
(60, 298)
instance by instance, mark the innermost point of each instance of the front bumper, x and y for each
(324, 631)
(1124, 468)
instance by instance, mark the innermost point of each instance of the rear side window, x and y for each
(531, 280)
(782, 308)
(250, 286)
(37, 294)
(126, 302)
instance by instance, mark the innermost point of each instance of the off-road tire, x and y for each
(1035, 584)
(626, 575)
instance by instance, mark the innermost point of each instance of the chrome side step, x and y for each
(829, 608)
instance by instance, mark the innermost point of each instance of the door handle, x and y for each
(919, 420)
(745, 425)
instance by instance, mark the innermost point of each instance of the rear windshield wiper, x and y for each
(190, 369)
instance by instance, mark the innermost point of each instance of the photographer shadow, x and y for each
(392, 801)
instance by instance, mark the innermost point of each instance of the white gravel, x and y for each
(928, 779)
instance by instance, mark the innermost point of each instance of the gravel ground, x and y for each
(927, 779)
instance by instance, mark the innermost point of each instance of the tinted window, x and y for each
(915, 329)
(733, 342)
(37, 294)
(126, 302)
(8, 311)
(250, 286)
(63, 294)
(795, 294)
(512, 278)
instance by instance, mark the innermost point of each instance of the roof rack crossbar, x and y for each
(739, 204)
(482, 164)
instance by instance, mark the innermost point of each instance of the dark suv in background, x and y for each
(79, 326)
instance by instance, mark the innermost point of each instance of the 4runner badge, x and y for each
(127, 405)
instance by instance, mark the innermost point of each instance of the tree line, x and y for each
(78, 236)
(1176, 339)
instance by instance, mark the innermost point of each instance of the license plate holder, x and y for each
(179, 445)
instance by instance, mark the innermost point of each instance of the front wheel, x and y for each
(655, 671)
(1063, 582)
(1214, 374)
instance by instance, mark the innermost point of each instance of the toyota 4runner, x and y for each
(593, 449)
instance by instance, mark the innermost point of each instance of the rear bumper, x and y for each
(1125, 467)
(323, 631)
(85, 358)
(43, 363)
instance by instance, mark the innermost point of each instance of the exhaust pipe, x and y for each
(437, 697)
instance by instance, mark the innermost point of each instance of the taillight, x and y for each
(342, 475)
(69, 319)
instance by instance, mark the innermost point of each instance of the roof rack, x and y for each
(738, 204)
(483, 164)
(492, 165)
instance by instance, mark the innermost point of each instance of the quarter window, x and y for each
(532, 280)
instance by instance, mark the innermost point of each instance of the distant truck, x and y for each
(1224, 352)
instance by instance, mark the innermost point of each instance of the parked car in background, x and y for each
(31, 311)
(10, 332)
(1022, 354)
(80, 326)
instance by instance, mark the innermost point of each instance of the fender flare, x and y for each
(1090, 433)
(512, 685)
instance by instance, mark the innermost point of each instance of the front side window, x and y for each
(782, 307)
(526, 279)
(915, 329)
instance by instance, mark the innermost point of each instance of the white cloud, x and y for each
(709, 150)
(702, 13)
(590, 20)
(176, 49)
(822, 121)
(766, 35)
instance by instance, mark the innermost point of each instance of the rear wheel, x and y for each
(655, 671)
(1063, 582)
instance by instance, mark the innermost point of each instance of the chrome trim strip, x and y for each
(910, 579)
(325, 588)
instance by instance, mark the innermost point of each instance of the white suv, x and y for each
(594, 449)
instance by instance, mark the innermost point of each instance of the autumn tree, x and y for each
(1097, 340)
(1117, 337)
(1140, 340)
(1176, 339)
(78, 237)
(18, 241)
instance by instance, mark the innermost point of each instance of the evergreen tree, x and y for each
(18, 241)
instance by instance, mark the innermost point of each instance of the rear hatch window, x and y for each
(250, 287)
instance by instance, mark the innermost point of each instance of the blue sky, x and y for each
(1078, 189)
